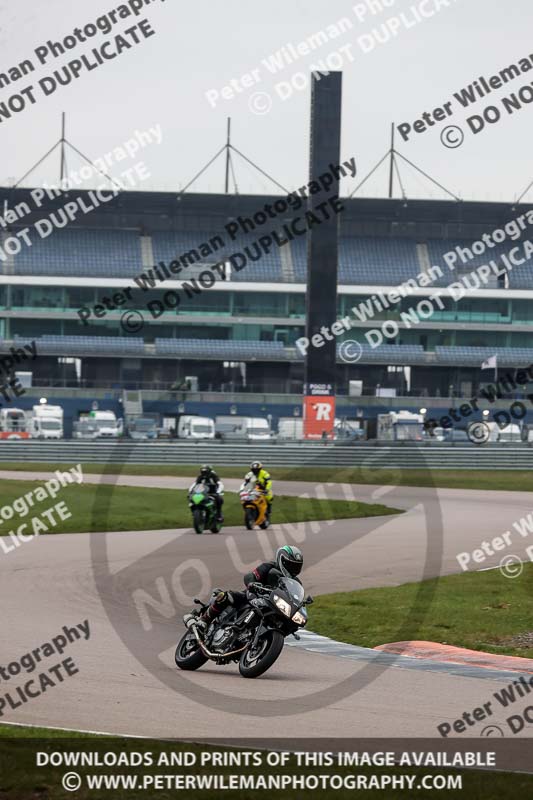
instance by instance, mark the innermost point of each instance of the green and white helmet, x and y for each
(289, 560)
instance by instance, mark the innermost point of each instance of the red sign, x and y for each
(319, 416)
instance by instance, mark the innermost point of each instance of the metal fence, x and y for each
(403, 456)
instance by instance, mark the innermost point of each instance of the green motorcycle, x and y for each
(204, 510)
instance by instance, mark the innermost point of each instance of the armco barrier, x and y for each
(403, 456)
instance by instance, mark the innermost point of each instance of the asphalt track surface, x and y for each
(127, 683)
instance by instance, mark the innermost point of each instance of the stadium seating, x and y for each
(363, 260)
(169, 246)
(72, 345)
(394, 354)
(474, 356)
(520, 277)
(82, 252)
(117, 254)
(226, 349)
(367, 260)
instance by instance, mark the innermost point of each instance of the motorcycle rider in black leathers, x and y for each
(288, 563)
(209, 478)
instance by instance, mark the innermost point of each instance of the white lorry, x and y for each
(13, 424)
(142, 428)
(99, 425)
(193, 427)
(290, 428)
(45, 422)
(509, 433)
(400, 426)
(250, 429)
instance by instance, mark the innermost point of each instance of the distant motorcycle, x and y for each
(255, 506)
(203, 509)
(253, 635)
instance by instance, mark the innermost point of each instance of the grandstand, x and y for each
(240, 335)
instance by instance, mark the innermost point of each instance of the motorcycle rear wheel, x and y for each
(189, 657)
(198, 519)
(251, 667)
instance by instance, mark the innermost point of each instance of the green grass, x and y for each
(21, 779)
(478, 610)
(122, 508)
(26, 732)
(513, 480)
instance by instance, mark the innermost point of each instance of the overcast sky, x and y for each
(202, 46)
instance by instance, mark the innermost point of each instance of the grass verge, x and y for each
(124, 508)
(511, 480)
(478, 610)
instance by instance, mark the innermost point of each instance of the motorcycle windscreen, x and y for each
(294, 589)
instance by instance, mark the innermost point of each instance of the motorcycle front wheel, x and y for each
(198, 519)
(216, 526)
(255, 662)
(250, 516)
(188, 653)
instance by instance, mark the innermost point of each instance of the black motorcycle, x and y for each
(252, 635)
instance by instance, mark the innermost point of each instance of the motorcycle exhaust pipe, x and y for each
(193, 627)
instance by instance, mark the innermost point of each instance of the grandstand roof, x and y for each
(198, 211)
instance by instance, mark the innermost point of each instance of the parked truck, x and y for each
(193, 427)
(99, 425)
(187, 426)
(400, 426)
(290, 428)
(13, 424)
(46, 422)
(251, 429)
(142, 428)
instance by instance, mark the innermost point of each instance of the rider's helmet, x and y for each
(289, 560)
(206, 471)
(256, 467)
